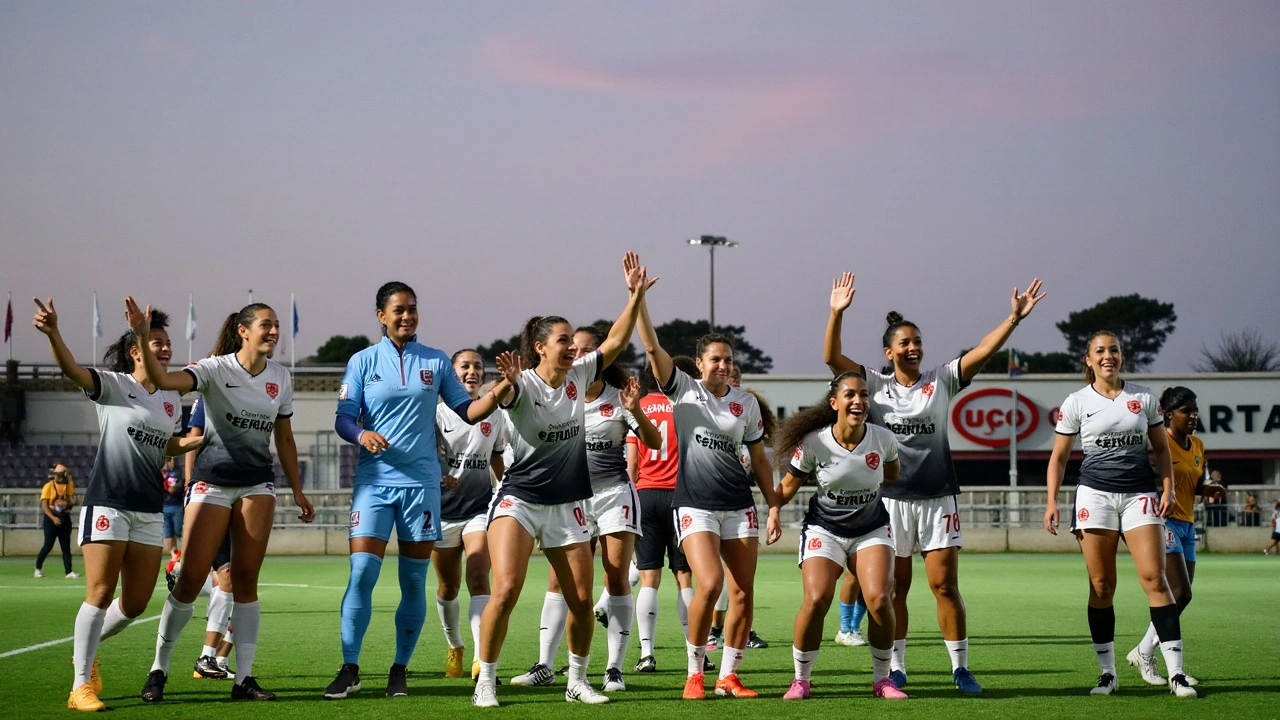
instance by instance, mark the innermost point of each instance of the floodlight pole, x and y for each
(711, 242)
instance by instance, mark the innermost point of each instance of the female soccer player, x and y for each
(541, 496)
(472, 466)
(1189, 472)
(1115, 420)
(713, 500)
(915, 405)
(846, 525)
(57, 498)
(121, 521)
(249, 401)
(393, 389)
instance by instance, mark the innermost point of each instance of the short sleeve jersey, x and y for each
(57, 496)
(607, 424)
(657, 469)
(134, 426)
(918, 416)
(709, 431)
(241, 411)
(1188, 469)
(468, 450)
(1113, 435)
(847, 502)
(549, 446)
(394, 393)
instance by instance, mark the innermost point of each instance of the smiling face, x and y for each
(399, 317)
(558, 350)
(585, 342)
(1182, 419)
(715, 364)
(851, 401)
(1104, 357)
(906, 349)
(469, 367)
(263, 332)
(160, 346)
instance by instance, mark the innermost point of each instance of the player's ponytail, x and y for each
(798, 425)
(536, 329)
(228, 341)
(895, 321)
(767, 418)
(117, 358)
(1173, 398)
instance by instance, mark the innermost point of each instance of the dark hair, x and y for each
(117, 357)
(1173, 398)
(799, 424)
(711, 339)
(767, 418)
(1088, 371)
(688, 365)
(895, 320)
(536, 330)
(684, 363)
(228, 341)
(454, 358)
(615, 374)
(386, 291)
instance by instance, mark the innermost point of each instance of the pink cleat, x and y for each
(884, 688)
(799, 690)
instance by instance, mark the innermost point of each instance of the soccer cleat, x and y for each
(453, 663)
(708, 665)
(965, 682)
(225, 666)
(858, 639)
(845, 638)
(485, 696)
(563, 671)
(538, 675)
(799, 690)
(171, 570)
(1192, 681)
(1106, 685)
(602, 617)
(95, 678)
(475, 671)
(153, 688)
(884, 688)
(207, 669)
(397, 681)
(1179, 686)
(731, 686)
(1146, 665)
(647, 664)
(755, 642)
(899, 678)
(250, 690)
(73, 575)
(693, 687)
(583, 692)
(347, 682)
(39, 575)
(85, 699)
(613, 680)
(715, 639)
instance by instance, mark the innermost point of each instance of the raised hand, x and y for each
(842, 292)
(630, 394)
(1024, 303)
(139, 320)
(636, 275)
(46, 319)
(509, 365)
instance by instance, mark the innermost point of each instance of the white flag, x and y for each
(97, 318)
(191, 317)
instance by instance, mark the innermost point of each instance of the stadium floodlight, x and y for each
(711, 242)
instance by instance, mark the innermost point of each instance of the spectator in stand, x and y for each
(1215, 512)
(57, 497)
(174, 486)
(1252, 514)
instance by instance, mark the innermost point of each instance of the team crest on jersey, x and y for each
(1083, 514)
(426, 376)
(355, 518)
(685, 522)
(815, 544)
(270, 486)
(342, 392)
(1135, 406)
(606, 410)
(927, 390)
(873, 460)
(102, 524)
(168, 408)
(505, 504)
(486, 428)
(736, 409)
(571, 390)
(797, 454)
(200, 488)
(273, 390)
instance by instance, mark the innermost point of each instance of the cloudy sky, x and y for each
(500, 158)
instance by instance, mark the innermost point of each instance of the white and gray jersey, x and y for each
(134, 427)
(709, 432)
(240, 413)
(918, 417)
(607, 424)
(549, 458)
(1113, 435)
(847, 503)
(465, 454)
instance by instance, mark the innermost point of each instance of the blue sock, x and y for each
(412, 612)
(859, 610)
(846, 618)
(357, 603)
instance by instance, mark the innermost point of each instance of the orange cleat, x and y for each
(731, 686)
(453, 663)
(693, 689)
(95, 680)
(85, 700)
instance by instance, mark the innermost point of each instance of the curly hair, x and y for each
(815, 417)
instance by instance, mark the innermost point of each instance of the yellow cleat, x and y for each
(475, 670)
(453, 663)
(85, 700)
(95, 680)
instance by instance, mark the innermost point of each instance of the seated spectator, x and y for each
(1252, 515)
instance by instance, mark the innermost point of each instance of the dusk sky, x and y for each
(501, 157)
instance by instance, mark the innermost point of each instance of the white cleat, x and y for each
(858, 639)
(844, 637)
(1179, 686)
(613, 681)
(1106, 685)
(485, 696)
(583, 692)
(1192, 681)
(1146, 665)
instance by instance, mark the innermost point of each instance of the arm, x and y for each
(182, 446)
(645, 429)
(477, 410)
(47, 509)
(1057, 470)
(189, 461)
(288, 452)
(841, 297)
(788, 488)
(764, 480)
(972, 361)
(891, 469)
(140, 323)
(46, 321)
(1164, 465)
(633, 461)
(659, 359)
(638, 282)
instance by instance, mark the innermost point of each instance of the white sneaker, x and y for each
(485, 696)
(1146, 665)
(72, 575)
(539, 674)
(858, 639)
(844, 637)
(613, 680)
(1106, 685)
(583, 692)
(39, 575)
(1191, 680)
(1179, 686)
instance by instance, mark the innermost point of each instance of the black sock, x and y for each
(1102, 624)
(1165, 619)
(1183, 602)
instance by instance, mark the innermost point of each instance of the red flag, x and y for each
(8, 321)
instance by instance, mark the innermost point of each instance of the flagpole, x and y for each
(94, 330)
(191, 304)
(7, 331)
(293, 330)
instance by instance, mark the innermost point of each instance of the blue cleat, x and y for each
(965, 682)
(899, 678)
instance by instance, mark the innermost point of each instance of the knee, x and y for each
(245, 584)
(1154, 582)
(618, 582)
(133, 608)
(815, 604)
(477, 583)
(99, 594)
(1103, 588)
(946, 590)
(877, 602)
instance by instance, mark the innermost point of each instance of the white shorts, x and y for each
(923, 525)
(552, 526)
(818, 542)
(451, 531)
(615, 509)
(727, 524)
(1102, 510)
(104, 524)
(206, 492)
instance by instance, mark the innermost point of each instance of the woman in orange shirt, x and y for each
(56, 500)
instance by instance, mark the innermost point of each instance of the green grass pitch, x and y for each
(1030, 649)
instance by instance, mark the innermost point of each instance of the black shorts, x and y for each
(1274, 536)
(658, 524)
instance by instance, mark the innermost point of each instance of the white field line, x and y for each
(51, 643)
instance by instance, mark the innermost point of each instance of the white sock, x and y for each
(602, 603)
(880, 660)
(577, 669)
(722, 604)
(450, 612)
(695, 654)
(228, 639)
(804, 662)
(1106, 657)
(959, 651)
(488, 673)
(173, 618)
(682, 606)
(898, 661)
(647, 618)
(622, 609)
(220, 606)
(207, 589)
(475, 609)
(88, 635)
(730, 662)
(222, 662)
(555, 612)
(1149, 641)
(1172, 652)
(115, 621)
(248, 619)
(208, 651)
